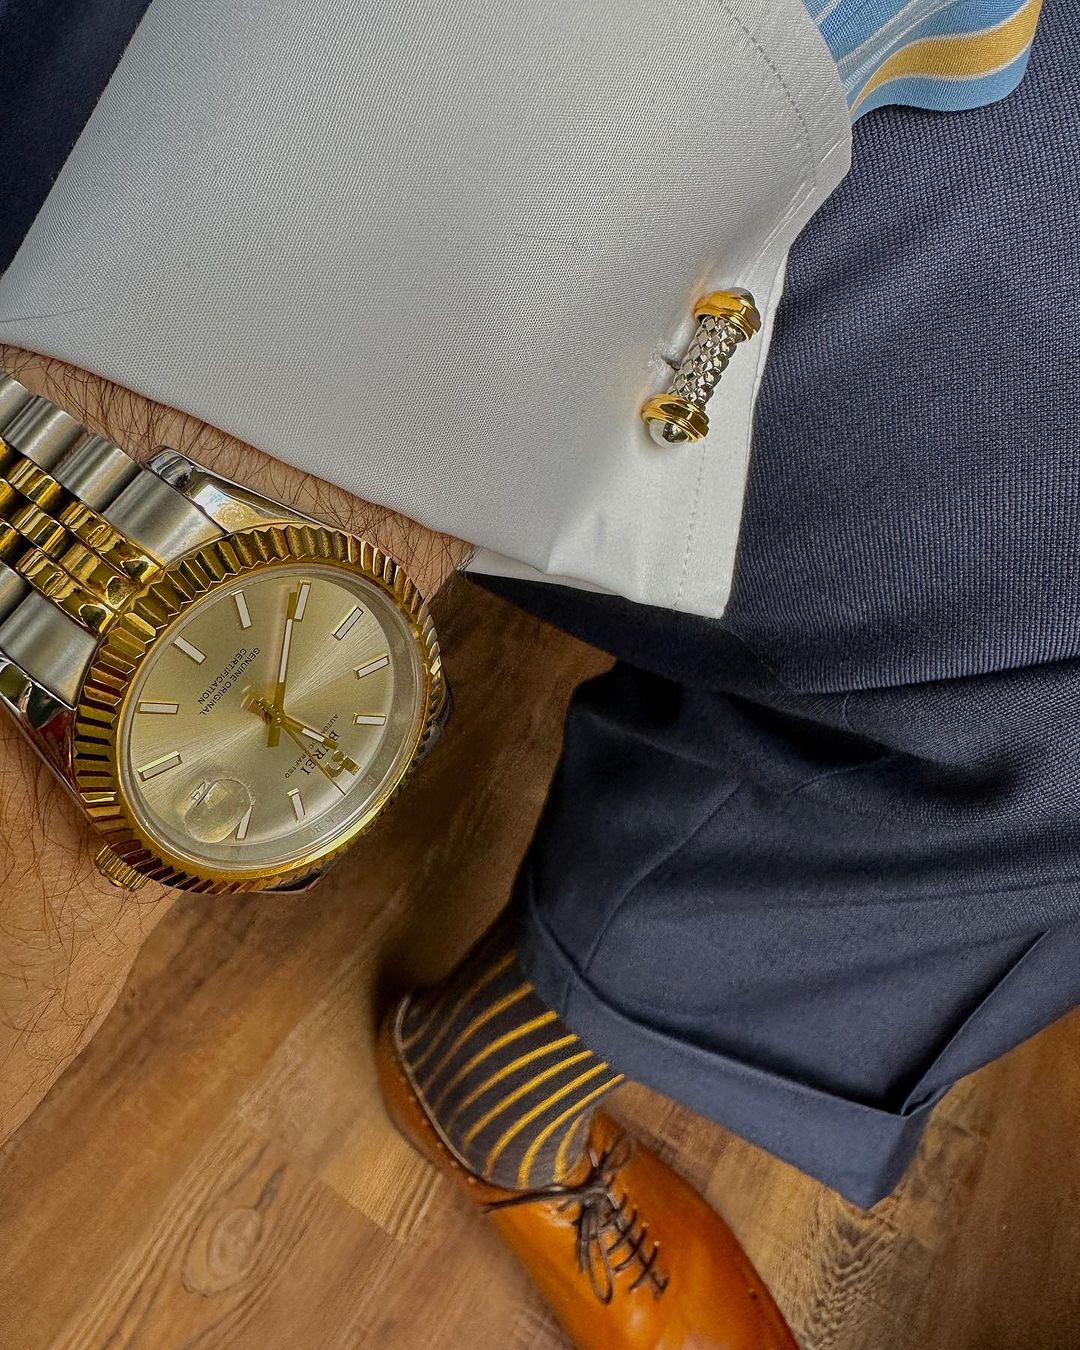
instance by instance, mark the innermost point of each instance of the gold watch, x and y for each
(231, 691)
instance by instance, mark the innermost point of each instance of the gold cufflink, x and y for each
(724, 319)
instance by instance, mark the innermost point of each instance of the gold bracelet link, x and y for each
(82, 529)
(115, 549)
(55, 584)
(99, 577)
(10, 540)
(34, 483)
(39, 529)
(63, 548)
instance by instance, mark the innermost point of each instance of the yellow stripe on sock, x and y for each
(513, 1067)
(414, 1039)
(562, 1162)
(525, 1170)
(480, 1020)
(478, 1126)
(499, 1147)
(959, 55)
(500, 1043)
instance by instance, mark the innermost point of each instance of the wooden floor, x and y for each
(216, 1170)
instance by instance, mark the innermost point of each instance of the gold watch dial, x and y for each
(260, 718)
(269, 717)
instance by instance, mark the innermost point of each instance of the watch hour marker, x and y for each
(302, 599)
(156, 766)
(369, 720)
(283, 664)
(190, 650)
(297, 803)
(242, 609)
(245, 821)
(146, 706)
(370, 667)
(347, 624)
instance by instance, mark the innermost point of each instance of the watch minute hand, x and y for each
(277, 702)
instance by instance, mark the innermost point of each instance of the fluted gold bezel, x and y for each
(129, 641)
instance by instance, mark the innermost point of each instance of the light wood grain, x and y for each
(216, 1169)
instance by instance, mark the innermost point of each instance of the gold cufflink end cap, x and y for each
(674, 421)
(117, 872)
(735, 307)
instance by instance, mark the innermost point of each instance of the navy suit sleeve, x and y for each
(58, 56)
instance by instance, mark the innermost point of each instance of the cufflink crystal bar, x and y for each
(724, 319)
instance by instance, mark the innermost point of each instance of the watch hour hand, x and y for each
(296, 729)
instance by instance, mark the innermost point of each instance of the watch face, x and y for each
(270, 719)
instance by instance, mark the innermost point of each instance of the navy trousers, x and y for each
(804, 867)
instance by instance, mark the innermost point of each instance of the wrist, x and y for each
(67, 937)
(142, 427)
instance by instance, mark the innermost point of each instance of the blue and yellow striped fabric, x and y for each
(941, 54)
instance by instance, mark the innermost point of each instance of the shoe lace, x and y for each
(605, 1224)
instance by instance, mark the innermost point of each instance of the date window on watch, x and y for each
(217, 810)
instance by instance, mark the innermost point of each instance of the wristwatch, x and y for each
(231, 691)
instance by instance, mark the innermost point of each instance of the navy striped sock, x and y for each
(510, 1086)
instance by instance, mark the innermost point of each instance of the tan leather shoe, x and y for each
(628, 1255)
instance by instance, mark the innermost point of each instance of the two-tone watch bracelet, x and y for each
(82, 527)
